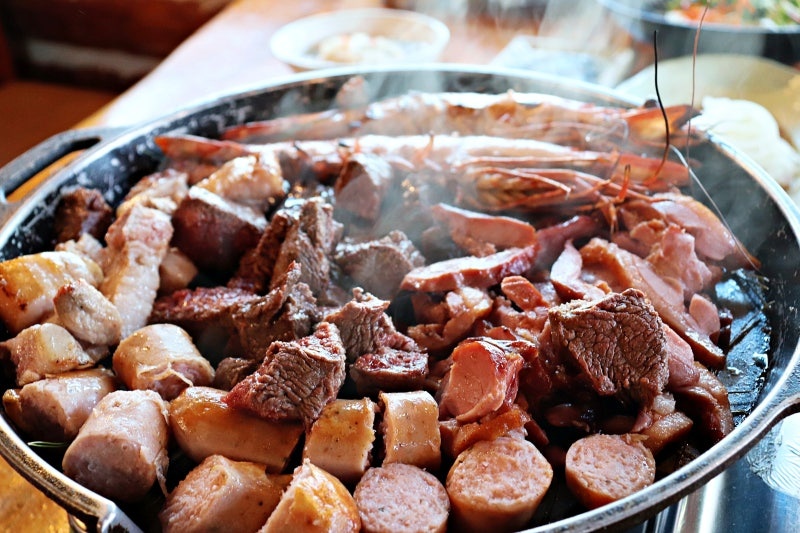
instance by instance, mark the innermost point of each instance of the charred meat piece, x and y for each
(389, 369)
(617, 342)
(365, 327)
(309, 242)
(80, 211)
(286, 313)
(478, 272)
(215, 232)
(362, 184)
(379, 266)
(296, 380)
(232, 370)
(205, 313)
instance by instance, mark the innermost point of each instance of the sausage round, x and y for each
(121, 450)
(496, 485)
(401, 498)
(601, 469)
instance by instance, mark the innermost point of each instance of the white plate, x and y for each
(768, 83)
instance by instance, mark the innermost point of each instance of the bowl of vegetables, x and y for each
(767, 28)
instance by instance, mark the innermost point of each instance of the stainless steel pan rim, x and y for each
(781, 399)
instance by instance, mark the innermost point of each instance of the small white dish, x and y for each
(741, 77)
(371, 35)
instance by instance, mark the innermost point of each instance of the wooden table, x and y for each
(232, 52)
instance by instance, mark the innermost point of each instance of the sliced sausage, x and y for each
(163, 358)
(601, 469)
(400, 498)
(340, 441)
(219, 493)
(496, 485)
(204, 425)
(121, 450)
(482, 378)
(54, 409)
(314, 502)
(410, 429)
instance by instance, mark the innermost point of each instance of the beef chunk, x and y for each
(205, 313)
(389, 370)
(379, 266)
(309, 242)
(362, 184)
(296, 380)
(256, 266)
(617, 342)
(232, 370)
(287, 312)
(82, 211)
(365, 327)
(215, 232)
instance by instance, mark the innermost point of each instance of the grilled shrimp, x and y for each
(511, 114)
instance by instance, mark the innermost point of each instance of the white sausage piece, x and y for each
(121, 450)
(496, 485)
(54, 409)
(219, 493)
(204, 425)
(410, 429)
(340, 441)
(315, 502)
(163, 358)
(400, 498)
(604, 468)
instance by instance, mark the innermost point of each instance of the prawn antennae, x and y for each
(663, 111)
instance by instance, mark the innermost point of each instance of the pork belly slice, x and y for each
(86, 313)
(162, 358)
(121, 450)
(340, 441)
(215, 232)
(162, 190)
(296, 380)
(252, 180)
(315, 501)
(81, 210)
(204, 425)
(621, 269)
(617, 343)
(54, 409)
(473, 231)
(484, 377)
(218, 493)
(44, 350)
(28, 284)
(380, 265)
(137, 243)
(478, 272)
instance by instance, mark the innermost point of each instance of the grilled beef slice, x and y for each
(617, 342)
(80, 211)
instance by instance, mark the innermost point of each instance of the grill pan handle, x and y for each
(44, 154)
